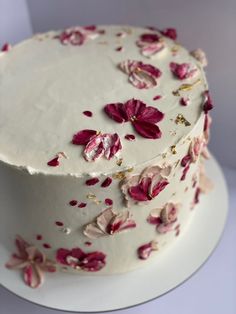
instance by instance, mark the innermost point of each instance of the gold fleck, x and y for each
(180, 119)
(186, 87)
(173, 149)
(97, 202)
(119, 175)
(173, 194)
(130, 169)
(91, 196)
(164, 155)
(119, 161)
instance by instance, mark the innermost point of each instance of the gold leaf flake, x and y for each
(173, 149)
(186, 87)
(91, 196)
(119, 161)
(119, 175)
(164, 155)
(180, 119)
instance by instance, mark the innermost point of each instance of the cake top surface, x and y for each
(57, 84)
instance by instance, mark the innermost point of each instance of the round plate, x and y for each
(105, 293)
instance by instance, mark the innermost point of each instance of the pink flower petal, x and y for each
(154, 220)
(185, 171)
(200, 55)
(182, 70)
(88, 113)
(54, 162)
(83, 137)
(185, 160)
(170, 33)
(33, 277)
(157, 97)
(72, 36)
(145, 250)
(73, 203)
(6, 47)
(184, 101)
(152, 49)
(108, 201)
(82, 205)
(159, 187)
(149, 38)
(130, 137)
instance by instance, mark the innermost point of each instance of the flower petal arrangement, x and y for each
(76, 36)
(141, 75)
(146, 186)
(142, 117)
(97, 145)
(164, 219)
(150, 44)
(32, 262)
(182, 71)
(79, 260)
(109, 223)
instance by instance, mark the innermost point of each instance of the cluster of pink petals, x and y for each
(109, 223)
(142, 117)
(141, 75)
(194, 152)
(200, 55)
(97, 145)
(147, 185)
(165, 219)
(79, 260)
(150, 44)
(182, 71)
(207, 102)
(32, 262)
(145, 250)
(170, 33)
(78, 35)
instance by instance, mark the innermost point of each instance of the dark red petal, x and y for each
(83, 137)
(77, 253)
(170, 32)
(154, 220)
(185, 160)
(108, 202)
(93, 261)
(61, 256)
(116, 145)
(82, 205)
(147, 130)
(149, 38)
(130, 137)
(185, 171)
(106, 182)
(160, 186)
(5, 47)
(91, 28)
(116, 112)
(196, 195)
(207, 105)
(73, 203)
(134, 107)
(59, 223)
(137, 193)
(54, 162)
(157, 97)
(150, 69)
(92, 181)
(88, 113)
(150, 114)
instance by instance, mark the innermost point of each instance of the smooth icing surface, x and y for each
(46, 86)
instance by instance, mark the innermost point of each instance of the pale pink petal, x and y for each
(33, 277)
(16, 263)
(164, 228)
(145, 250)
(200, 55)
(152, 50)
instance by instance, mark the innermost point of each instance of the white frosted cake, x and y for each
(103, 134)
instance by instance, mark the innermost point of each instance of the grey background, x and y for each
(209, 24)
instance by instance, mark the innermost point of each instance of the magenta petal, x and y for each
(93, 261)
(160, 186)
(133, 107)
(147, 129)
(185, 171)
(207, 105)
(170, 32)
(150, 114)
(149, 38)
(116, 112)
(62, 255)
(92, 181)
(83, 137)
(185, 160)
(137, 193)
(106, 182)
(154, 220)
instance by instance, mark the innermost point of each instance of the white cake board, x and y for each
(105, 293)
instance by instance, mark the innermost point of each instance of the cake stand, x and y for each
(106, 293)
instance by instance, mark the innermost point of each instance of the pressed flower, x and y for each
(164, 218)
(141, 75)
(76, 36)
(170, 33)
(146, 186)
(150, 44)
(142, 117)
(182, 71)
(97, 145)
(146, 249)
(32, 262)
(109, 223)
(78, 259)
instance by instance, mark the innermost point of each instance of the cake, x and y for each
(104, 132)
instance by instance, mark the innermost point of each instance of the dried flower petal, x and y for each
(73, 203)
(184, 101)
(150, 44)
(53, 162)
(182, 70)
(108, 202)
(130, 137)
(92, 181)
(170, 33)
(109, 223)
(82, 205)
(83, 137)
(6, 47)
(207, 103)
(88, 113)
(200, 55)
(157, 97)
(145, 250)
(106, 182)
